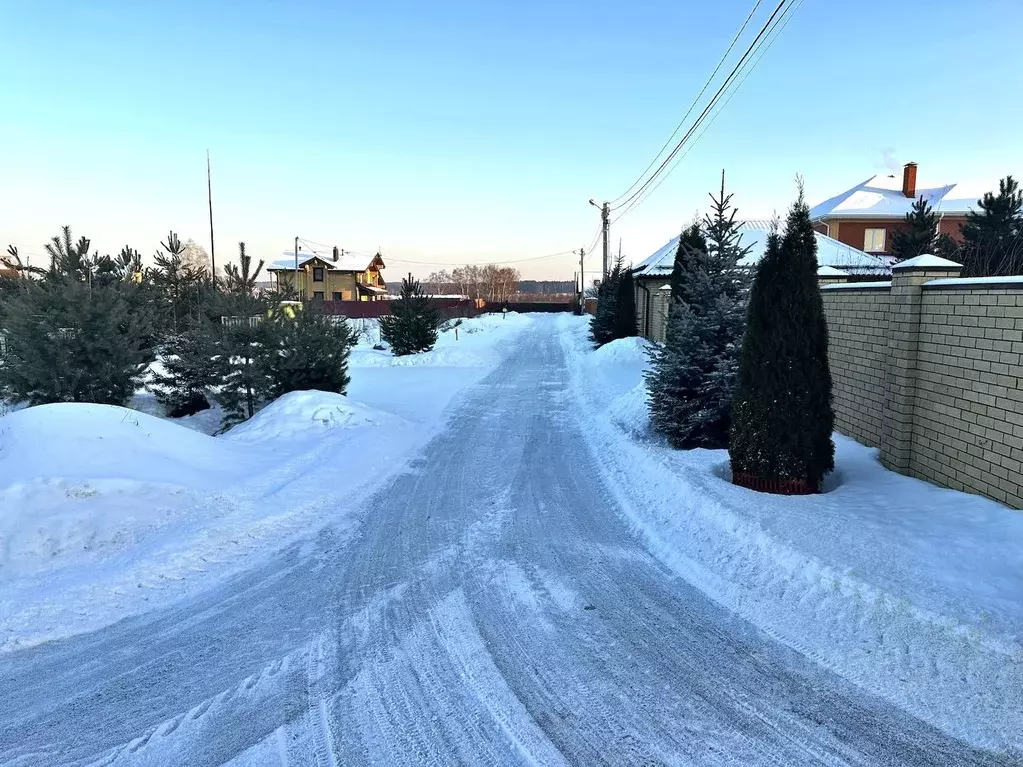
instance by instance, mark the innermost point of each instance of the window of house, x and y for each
(358, 277)
(318, 295)
(337, 295)
(873, 240)
(318, 275)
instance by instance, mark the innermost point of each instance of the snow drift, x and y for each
(908, 589)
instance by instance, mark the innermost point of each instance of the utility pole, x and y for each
(296, 270)
(605, 225)
(209, 197)
(605, 215)
(582, 281)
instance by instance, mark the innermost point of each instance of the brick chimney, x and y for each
(909, 180)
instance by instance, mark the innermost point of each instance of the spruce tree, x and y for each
(603, 322)
(309, 352)
(993, 235)
(191, 368)
(691, 244)
(920, 234)
(625, 306)
(411, 327)
(692, 375)
(782, 418)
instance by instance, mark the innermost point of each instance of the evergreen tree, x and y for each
(946, 247)
(603, 322)
(691, 244)
(309, 352)
(625, 306)
(247, 383)
(192, 369)
(68, 258)
(993, 235)
(692, 375)
(68, 341)
(241, 280)
(920, 234)
(411, 327)
(782, 417)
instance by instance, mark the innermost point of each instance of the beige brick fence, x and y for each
(929, 369)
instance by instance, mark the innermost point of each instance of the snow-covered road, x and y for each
(494, 608)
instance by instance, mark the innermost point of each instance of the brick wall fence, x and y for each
(929, 369)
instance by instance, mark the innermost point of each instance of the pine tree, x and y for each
(191, 368)
(241, 280)
(946, 247)
(309, 352)
(68, 341)
(68, 258)
(691, 244)
(625, 306)
(782, 417)
(993, 235)
(920, 234)
(692, 375)
(603, 322)
(246, 384)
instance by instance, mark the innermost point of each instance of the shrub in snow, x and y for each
(69, 341)
(191, 371)
(308, 352)
(692, 375)
(781, 415)
(411, 327)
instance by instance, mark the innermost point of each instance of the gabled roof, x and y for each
(881, 196)
(830, 252)
(350, 262)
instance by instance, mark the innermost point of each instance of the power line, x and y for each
(693, 105)
(786, 17)
(769, 24)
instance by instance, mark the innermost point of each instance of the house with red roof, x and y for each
(866, 216)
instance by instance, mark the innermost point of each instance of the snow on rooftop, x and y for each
(830, 252)
(881, 196)
(927, 261)
(830, 271)
(349, 262)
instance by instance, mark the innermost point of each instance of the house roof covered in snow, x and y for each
(349, 262)
(830, 252)
(881, 196)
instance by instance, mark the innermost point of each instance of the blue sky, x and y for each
(473, 131)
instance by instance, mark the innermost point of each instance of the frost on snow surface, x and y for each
(908, 589)
(107, 511)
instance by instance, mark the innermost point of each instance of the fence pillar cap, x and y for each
(928, 262)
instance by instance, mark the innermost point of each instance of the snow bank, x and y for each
(106, 512)
(90, 442)
(910, 590)
(306, 415)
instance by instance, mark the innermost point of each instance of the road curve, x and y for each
(494, 609)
